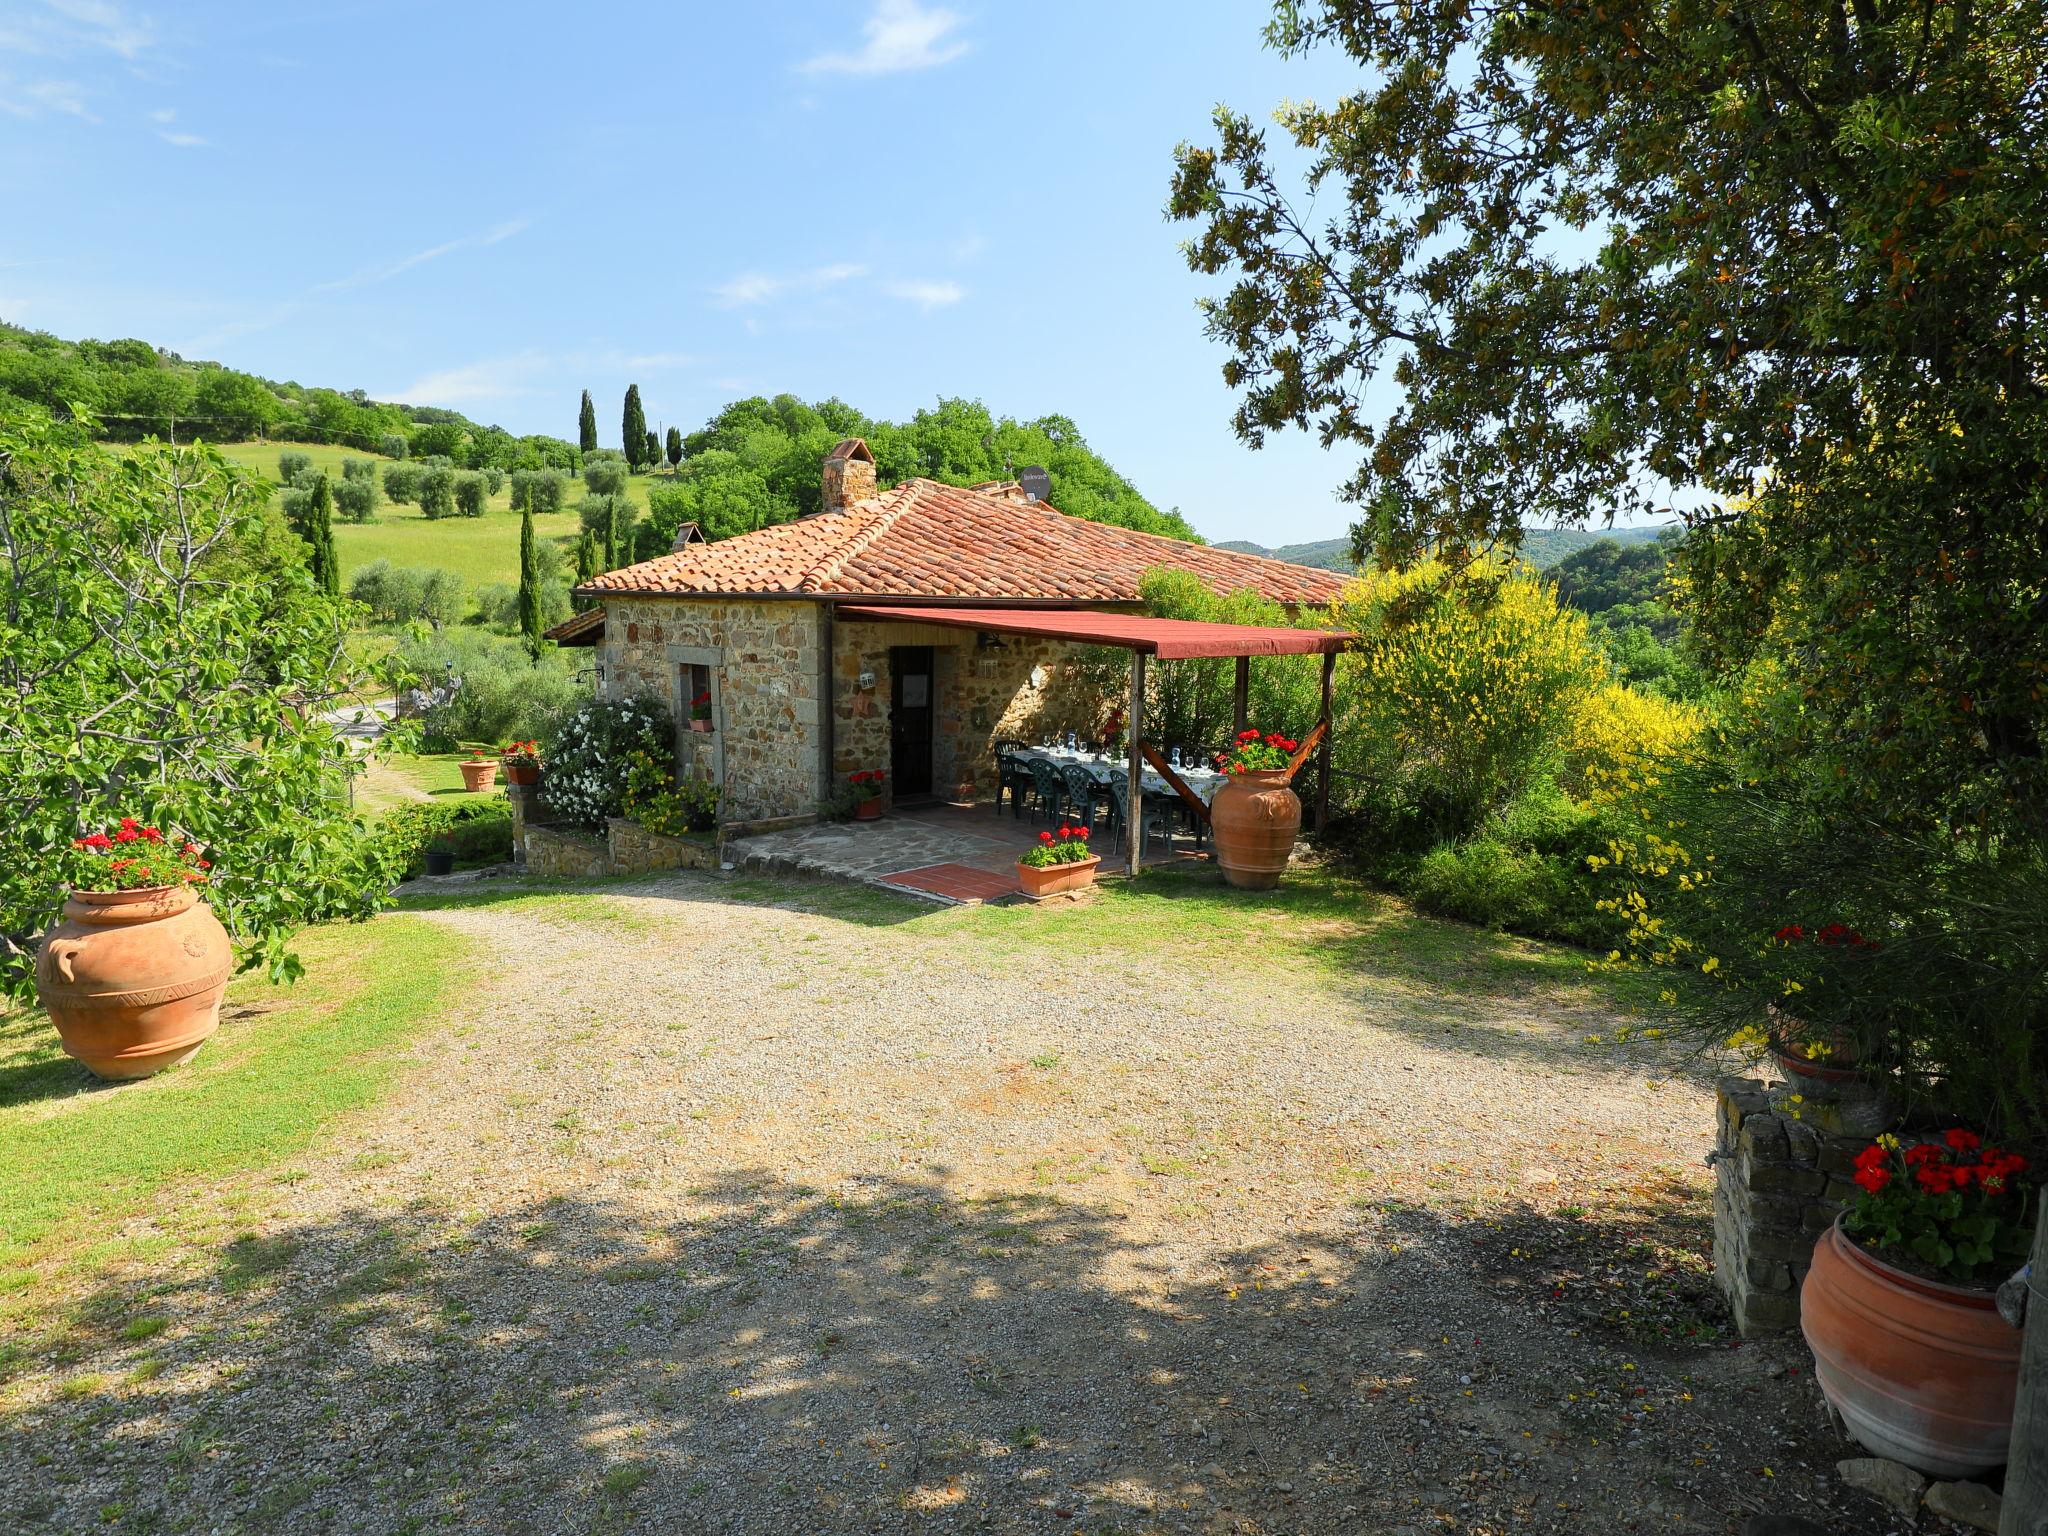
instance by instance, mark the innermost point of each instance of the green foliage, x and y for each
(633, 428)
(530, 622)
(356, 500)
(494, 479)
(402, 482)
(359, 469)
(471, 494)
(758, 463)
(291, 464)
(318, 531)
(1607, 574)
(436, 491)
(661, 802)
(586, 556)
(674, 446)
(1191, 702)
(586, 426)
(477, 832)
(1524, 871)
(605, 473)
(407, 595)
(505, 694)
(393, 445)
(163, 655)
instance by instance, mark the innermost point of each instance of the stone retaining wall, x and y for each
(1780, 1182)
(551, 850)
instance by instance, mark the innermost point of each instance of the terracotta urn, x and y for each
(867, 810)
(133, 979)
(1255, 817)
(1057, 879)
(1922, 1372)
(522, 770)
(478, 776)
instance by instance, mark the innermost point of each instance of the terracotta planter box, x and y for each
(133, 979)
(478, 777)
(1254, 818)
(701, 727)
(1057, 879)
(868, 810)
(522, 770)
(1921, 1372)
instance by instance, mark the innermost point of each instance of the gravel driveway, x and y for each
(726, 1210)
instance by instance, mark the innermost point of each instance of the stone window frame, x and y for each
(712, 659)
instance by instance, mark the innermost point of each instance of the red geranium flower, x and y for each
(1873, 1179)
(1045, 837)
(1790, 932)
(1960, 1140)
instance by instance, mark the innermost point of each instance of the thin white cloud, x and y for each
(520, 374)
(101, 25)
(388, 270)
(753, 288)
(182, 140)
(40, 97)
(900, 35)
(164, 115)
(927, 295)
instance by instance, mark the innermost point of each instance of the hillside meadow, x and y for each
(480, 550)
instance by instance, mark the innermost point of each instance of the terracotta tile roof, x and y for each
(926, 540)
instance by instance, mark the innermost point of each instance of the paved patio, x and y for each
(945, 853)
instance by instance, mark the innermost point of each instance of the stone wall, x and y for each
(551, 850)
(764, 664)
(1780, 1180)
(635, 850)
(558, 853)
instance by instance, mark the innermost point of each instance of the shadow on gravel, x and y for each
(771, 1359)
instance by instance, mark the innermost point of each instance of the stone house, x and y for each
(805, 687)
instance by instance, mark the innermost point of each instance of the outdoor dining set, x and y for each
(1063, 781)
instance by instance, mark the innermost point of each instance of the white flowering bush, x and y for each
(590, 754)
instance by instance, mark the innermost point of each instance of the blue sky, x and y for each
(494, 207)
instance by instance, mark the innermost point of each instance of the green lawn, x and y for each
(481, 550)
(77, 1156)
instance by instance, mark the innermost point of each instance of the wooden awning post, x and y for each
(1241, 696)
(1324, 724)
(1134, 804)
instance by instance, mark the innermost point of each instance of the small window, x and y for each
(698, 714)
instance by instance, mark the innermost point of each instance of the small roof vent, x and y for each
(1036, 482)
(686, 535)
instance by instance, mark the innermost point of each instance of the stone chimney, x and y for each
(849, 474)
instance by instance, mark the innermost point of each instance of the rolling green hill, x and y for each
(1541, 547)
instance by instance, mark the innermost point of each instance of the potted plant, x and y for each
(1255, 815)
(1899, 1307)
(133, 973)
(1057, 864)
(522, 762)
(867, 793)
(441, 856)
(479, 769)
(700, 712)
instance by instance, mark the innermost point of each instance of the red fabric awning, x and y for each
(1168, 639)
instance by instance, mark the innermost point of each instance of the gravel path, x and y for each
(835, 1215)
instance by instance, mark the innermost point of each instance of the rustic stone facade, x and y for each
(1780, 1182)
(560, 853)
(635, 850)
(762, 663)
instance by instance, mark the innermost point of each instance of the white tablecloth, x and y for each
(1203, 781)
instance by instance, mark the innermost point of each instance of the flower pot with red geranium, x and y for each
(133, 974)
(1255, 815)
(479, 769)
(522, 762)
(1899, 1307)
(867, 792)
(1057, 864)
(700, 713)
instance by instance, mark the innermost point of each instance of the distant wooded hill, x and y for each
(1541, 547)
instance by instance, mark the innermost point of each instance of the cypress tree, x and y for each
(634, 428)
(653, 450)
(529, 584)
(675, 446)
(586, 564)
(319, 532)
(611, 533)
(586, 425)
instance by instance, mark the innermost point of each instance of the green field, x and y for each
(480, 550)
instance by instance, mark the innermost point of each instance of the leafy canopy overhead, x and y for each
(1789, 253)
(759, 462)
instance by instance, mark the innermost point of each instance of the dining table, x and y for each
(1104, 769)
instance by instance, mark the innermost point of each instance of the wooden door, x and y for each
(910, 720)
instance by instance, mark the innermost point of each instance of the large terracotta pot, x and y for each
(478, 777)
(1057, 879)
(133, 979)
(867, 810)
(522, 770)
(1921, 1372)
(1255, 817)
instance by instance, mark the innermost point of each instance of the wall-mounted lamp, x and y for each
(984, 641)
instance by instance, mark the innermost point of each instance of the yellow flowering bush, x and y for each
(1464, 687)
(1619, 734)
